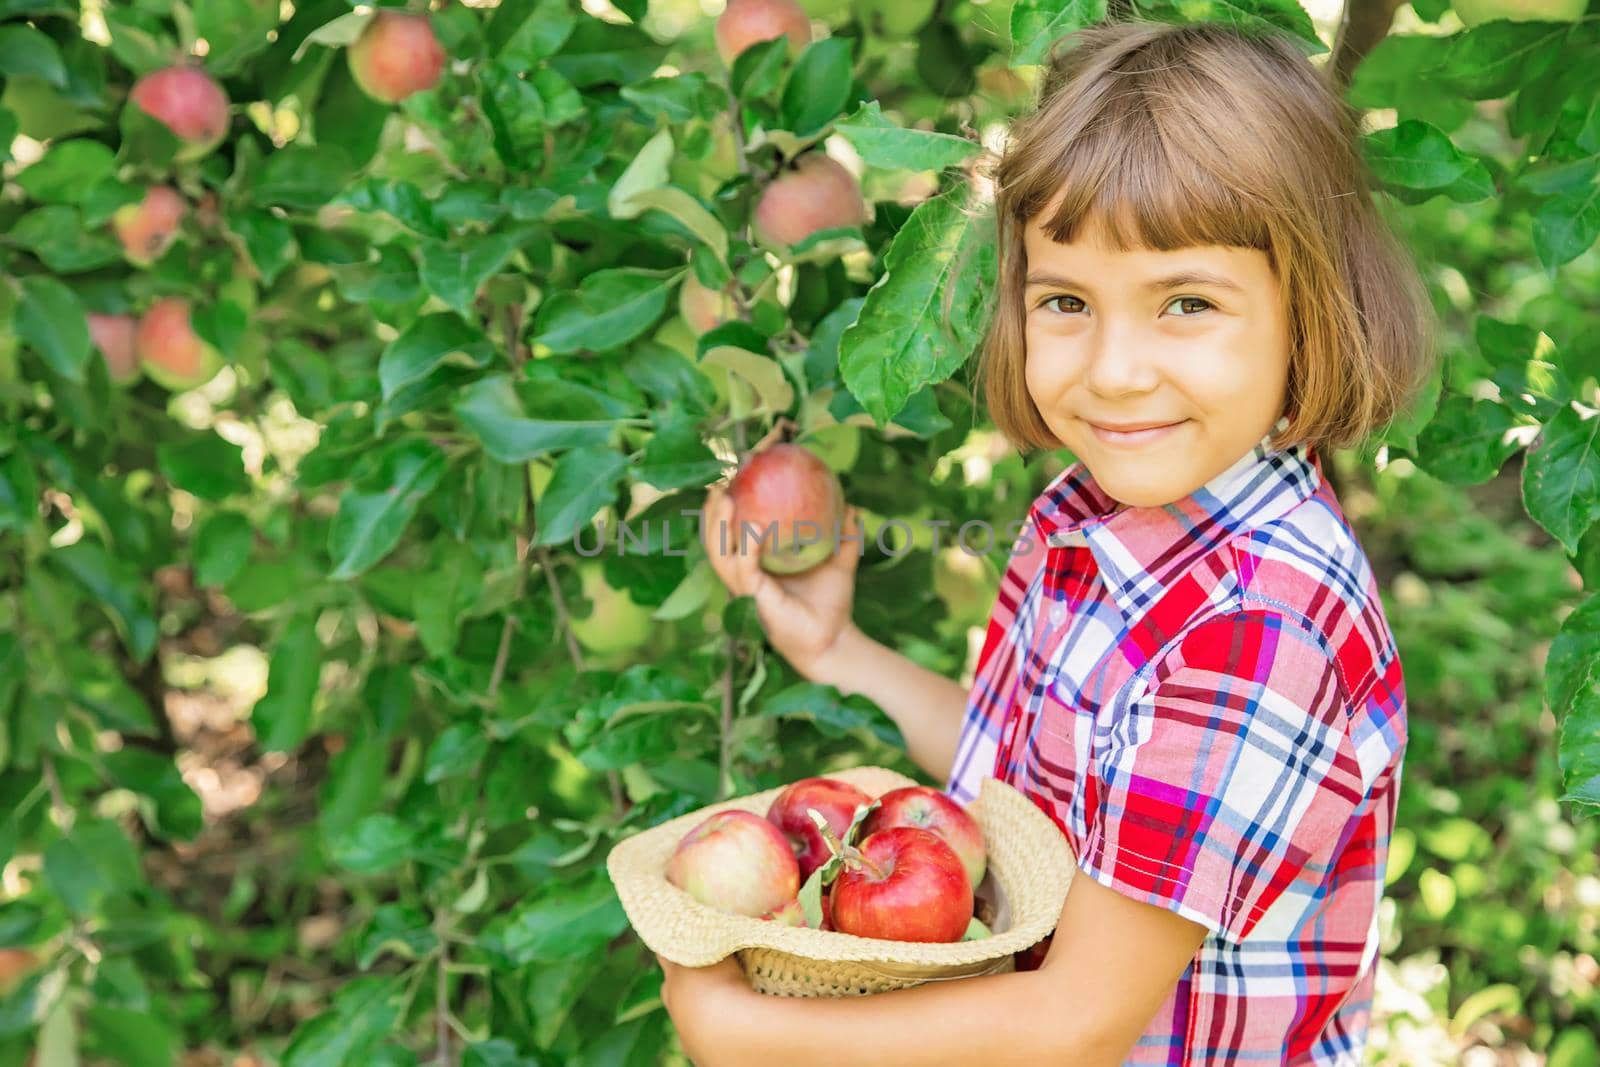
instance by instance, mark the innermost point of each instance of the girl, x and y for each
(1188, 666)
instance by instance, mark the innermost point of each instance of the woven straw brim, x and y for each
(1029, 869)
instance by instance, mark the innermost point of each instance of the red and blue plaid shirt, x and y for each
(1207, 699)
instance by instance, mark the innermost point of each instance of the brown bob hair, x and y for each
(1176, 136)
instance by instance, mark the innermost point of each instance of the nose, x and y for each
(1120, 365)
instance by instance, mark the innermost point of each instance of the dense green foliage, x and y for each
(309, 744)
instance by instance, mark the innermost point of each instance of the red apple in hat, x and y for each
(788, 506)
(836, 800)
(902, 884)
(930, 809)
(738, 862)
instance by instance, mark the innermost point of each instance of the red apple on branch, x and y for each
(788, 506)
(836, 800)
(396, 55)
(738, 862)
(902, 884)
(171, 352)
(114, 335)
(147, 229)
(817, 194)
(189, 102)
(745, 22)
(930, 809)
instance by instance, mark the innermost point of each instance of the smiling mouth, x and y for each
(1134, 437)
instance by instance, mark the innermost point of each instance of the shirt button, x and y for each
(1058, 611)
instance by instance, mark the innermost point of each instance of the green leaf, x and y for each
(818, 88)
(880, 143)
(369, 523)
(609, 309)
(494, 414)
(1579, 752)
(222, 547)
(442, 594)
(679, 205)
(458, 750)
(1037, 24)
(67, 171)
(584, 479)
(765, 376)
(58, 236)
(903, 339)
(1573, 652)
(235, 30)
(282, 717)
(375, 844)
(396, 929)
(564, 922)
(427, 343)
(976, 931)
(676, 99)
(178, 812)
(454, 274)
(25, 50)
(1494, 59)
(337, 33)
(677, 457)
(52, 321)
(524, 32)
(365, 1012)
(113, 703)
(141, 1039)
(1561, 476)
(833, 715)
(1415, 155)
(117, 587)
(811, 899)
(268, 240)
(1465, 443)
(647, 170)
(302, 177)
(1566, 225)
(205, 465)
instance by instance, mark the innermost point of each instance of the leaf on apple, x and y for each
(862, 811)
(811, 895)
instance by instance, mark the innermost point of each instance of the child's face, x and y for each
(1108, 349)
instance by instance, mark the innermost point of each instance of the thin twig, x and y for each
(441, 1012)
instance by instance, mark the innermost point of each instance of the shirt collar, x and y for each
(1140, 551)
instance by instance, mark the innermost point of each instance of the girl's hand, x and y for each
(804, 614)
(698, 998)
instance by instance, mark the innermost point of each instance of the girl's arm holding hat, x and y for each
(1112, 963)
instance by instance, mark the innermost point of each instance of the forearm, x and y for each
(933, 1025)
(927, 706)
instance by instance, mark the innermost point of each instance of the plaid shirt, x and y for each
(1207, 699)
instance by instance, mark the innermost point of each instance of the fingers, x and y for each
(715, 530)
(849, 551)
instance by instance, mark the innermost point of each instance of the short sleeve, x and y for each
(1231, 778)
(994, 683)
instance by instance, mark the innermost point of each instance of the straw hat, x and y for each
(1030, 866)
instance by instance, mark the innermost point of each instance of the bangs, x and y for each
(1152, 175)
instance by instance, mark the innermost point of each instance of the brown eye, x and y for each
(1191, 300)
(1050, 299)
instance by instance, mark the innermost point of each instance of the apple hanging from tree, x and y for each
(1477, 12)
(930, 809)
(189, 102)
(738, 862)
(171, 352)
(902, 884)
(147, 229)
(15, 965)
(396, 55)
(745, 22)
(703, 308)
(614, 623)
(114, 336)
(818, 193)
(787, 502)
(837, 802)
